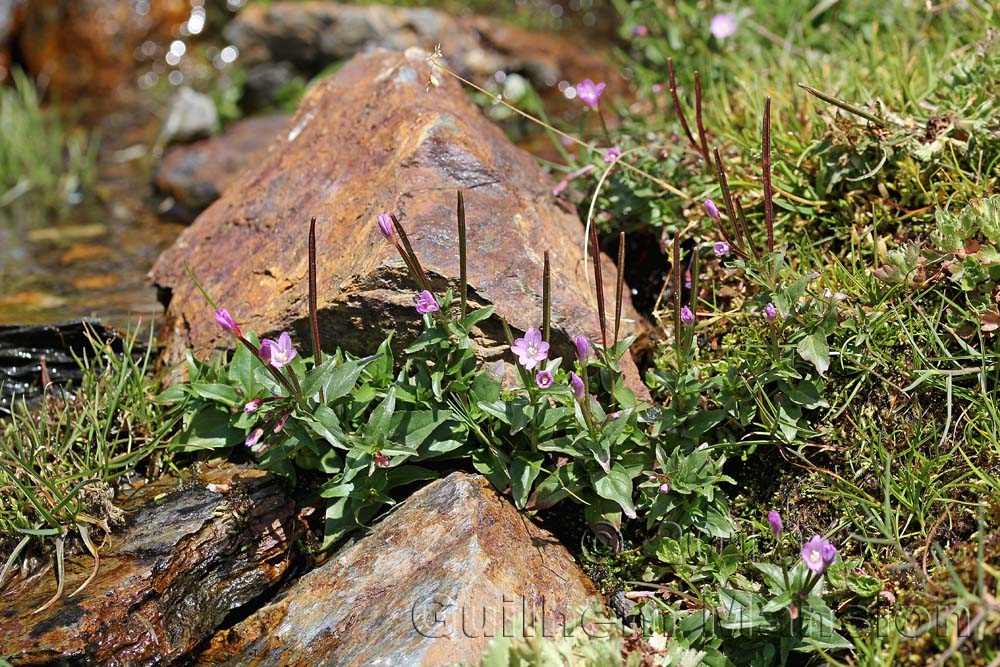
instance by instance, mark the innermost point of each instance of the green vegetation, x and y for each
(61, 463)
(41, 163)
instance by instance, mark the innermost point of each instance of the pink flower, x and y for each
(590, 92)
(530, 350)
(281, 423)
(582, 348)
(381, 460)
(385, 225)
(564, 183)
(723, 25)
(253, 437)
(576, 382)
(774, 519)
(770, 312)
(665, 488)
(426, 303)
(659, 87)
(687, 316)
(721, 249)
(639, 31)
(613, 154)
(252, 406)
(712, 210)
(279, 352)
(226, 321)
(818, 554)
(543, 379)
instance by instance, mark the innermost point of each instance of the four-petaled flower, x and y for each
(712, 210)
(721, 249)
(687, 316)
(818, 554)
(613, 154)
(543, 379)
(576, 382)
(226, 321)
(426, 303)
(774, 519)
(582, 348)
(385, 225)
(530, 350)
(590, 92)
(277, 353)
(723, 25)
(770, 312)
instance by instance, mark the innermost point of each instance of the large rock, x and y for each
(194, 175)
(310, 36)
(88, 46)
(187, 559)
(371, 138)
(454, 566)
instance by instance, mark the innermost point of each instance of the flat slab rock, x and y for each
(367, 139)
(432, 583)
(194, 175)
(186, 559)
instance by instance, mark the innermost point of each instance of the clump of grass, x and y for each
(61, 462)
(41, 161)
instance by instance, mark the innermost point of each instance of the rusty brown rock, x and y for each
(183, 563)
(309, 36)
(431, 584)
(87, 46)
(371, 138)
(196, 174)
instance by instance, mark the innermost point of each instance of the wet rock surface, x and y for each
(24, 350)
(186, 559)
(372, 138)
(309, 36)
(450, 568)
(194, 175)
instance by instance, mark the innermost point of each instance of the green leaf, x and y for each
(221, 393)
(813, 348)
(210, 428)
(523, 472)
(616, 485)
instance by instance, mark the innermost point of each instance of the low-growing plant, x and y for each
(61, 463)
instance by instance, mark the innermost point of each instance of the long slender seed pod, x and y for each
(678, 295)
(745, 225)
(546, 296)
(414, 263)
(727, 198)
(462, 255)
(599, 284)
(620, 287)
(313, 308)
(677, 105)
(698, 119)
(768, 191)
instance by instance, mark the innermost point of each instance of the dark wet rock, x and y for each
(439, 576)
(24, 350)
(195, 175)
(371, 138)
(309, 36)
(264, 83)
(187, 558)
(87, 46)
(11, 15)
